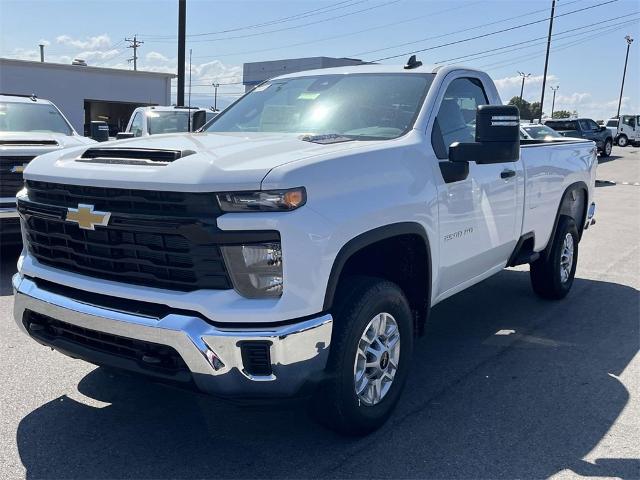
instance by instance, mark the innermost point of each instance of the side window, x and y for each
(136, 125)
(584, 125)
(593, 125)
(629, 120)
(456, 119)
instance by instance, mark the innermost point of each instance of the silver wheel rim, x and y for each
(377, 359)
(566, 259)
(622, 141)
(607, 148)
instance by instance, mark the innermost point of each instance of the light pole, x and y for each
(624, 73)
(524, 77)
(546, 59)
(553, 102)
(215, 96)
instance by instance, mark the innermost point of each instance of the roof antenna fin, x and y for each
(412, 63)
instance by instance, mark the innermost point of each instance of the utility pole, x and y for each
(524, 76)
(546, 60)
(629, 40)
(41, 52)
(553, 102)
(135, 44)
(182, 27)
(215, 96)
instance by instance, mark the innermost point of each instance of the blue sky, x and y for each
(586, 61)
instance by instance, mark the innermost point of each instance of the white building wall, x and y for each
(68, 86)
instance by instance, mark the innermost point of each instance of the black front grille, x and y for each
(152, 357)
(11, 182)
(157, 253)
(121, 200)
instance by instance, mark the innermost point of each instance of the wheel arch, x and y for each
(574, 203)
(377, 237)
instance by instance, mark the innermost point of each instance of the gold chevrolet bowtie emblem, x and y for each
(18, 168)
(86, 217)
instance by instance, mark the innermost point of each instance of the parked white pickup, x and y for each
(298, 244)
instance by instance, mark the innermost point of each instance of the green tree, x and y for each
(528, 111)
(562, 114)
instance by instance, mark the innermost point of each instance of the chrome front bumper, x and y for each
(8, 207)
(298, 351)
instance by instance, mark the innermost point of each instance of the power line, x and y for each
(484, 35)
(307, 13)
(564, 46)
(531, 40)
(526, 14)
(292, 27)
(348, 34)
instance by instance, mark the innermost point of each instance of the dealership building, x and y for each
(255, 73)
(85, 93)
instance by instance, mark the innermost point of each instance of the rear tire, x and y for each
(552, 277)
(355, 344)
(623, 141)
(606, 149)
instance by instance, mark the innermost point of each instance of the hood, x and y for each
(38, 143)
(210, 162)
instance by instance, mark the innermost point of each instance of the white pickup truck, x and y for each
(29, 126)
(297, 245)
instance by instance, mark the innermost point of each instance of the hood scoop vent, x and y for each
(29, 143)
(132, 156)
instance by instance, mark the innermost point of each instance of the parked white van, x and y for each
(628, 130)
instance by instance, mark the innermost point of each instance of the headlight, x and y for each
(269, 200)
(255, 269)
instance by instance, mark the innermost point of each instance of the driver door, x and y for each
(477, 215)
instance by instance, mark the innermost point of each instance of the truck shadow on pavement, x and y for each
(504, 385)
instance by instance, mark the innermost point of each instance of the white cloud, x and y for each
(98, 54)
(509, 87)
(155, 57)
(91, 43)
(46, 43)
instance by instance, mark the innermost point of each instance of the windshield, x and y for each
(32, 117)
(541, 132)
(167, 122)
(360, 106)
(612, 123)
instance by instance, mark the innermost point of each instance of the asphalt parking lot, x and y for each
(555, 394)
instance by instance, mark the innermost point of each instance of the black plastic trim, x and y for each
(369, 238)
(512, 262)
(574, 186)
(454, 171)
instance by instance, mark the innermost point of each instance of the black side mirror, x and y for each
(99, 131)
(199, 119)
(497, 137)
(124, 135)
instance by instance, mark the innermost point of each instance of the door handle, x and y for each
(507, 173)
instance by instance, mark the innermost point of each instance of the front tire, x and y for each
(623, 141)
(371, 349)
(606, 149)
(552, 277)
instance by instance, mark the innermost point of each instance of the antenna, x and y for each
(190, 89)
(412, 63)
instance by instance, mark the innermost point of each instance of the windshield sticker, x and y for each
(308, 96)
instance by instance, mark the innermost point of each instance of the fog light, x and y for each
(256, 269)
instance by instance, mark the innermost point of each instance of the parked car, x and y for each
(612, 126)
(147, 121)
(29, 126)
(584, 128)
(629, 130)
(536, 131)
(297, 245)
